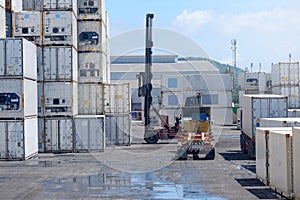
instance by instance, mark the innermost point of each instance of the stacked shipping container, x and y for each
(18, 99)
(285, 81)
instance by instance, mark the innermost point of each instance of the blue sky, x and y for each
(266, 30)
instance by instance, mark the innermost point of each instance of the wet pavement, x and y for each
(140, 171)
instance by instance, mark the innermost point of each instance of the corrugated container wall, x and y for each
(59, 64)
(285, 73)
(292, 91)
(59, 134)
(18, 139)
(280, 162)
(261, 106)
(90, 99)
(18, 58)
(41, 135)
(89, 133)
(61, 98)
(279, 122)
(118, 130)
(18, 98)
(296, 161)
(8, 23)
(293, 112)
(2, 21)
(90, 9)
(117, 98)
(90, 35)
(60, 28)
(28, 24)
(46, 5)
(91, 67)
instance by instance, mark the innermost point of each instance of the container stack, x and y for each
(2, 22)
(117, 114)
(285, 81)
(52, 26)
(18, 99)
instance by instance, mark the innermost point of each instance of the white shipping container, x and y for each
(90, 99)
(90, 9)
(90, 35)
(117, 98)
(89, 133)
(91, 67)
(2, 4)
(60, 5)
(18, 139)
(60, 64)
(59, 134)
(263, 150)
(296, 161)
(60, 28)
(118, 130)
(261, 106)
(61, 98)
(18, 58)
(18, 98)
(279, 122)
(13, 5)
(2, 22)
(280, 161)
(28, 24)
(196, 83)
(292, 91)
(285, 73)
(293, 112)
(222, 116)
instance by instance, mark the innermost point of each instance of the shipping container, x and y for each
(118, 130)
(222, 116)
(60, 28)
(213, 99)
(256, 107)
(41, 100)
(265, 83)
(292, 91)
(59, 134)
(59, 64)
(285, 73)
(296, 162)
(28, 24)
(18, 98)
(18, 139)
(2, 22)
(280, 162)
(91, 9)
(249, 81)
(90, 35)
(90, 99)
(91, 67)
(2, 4)
(117, 98)
(278, 122)
(13, 5)
(263, 152)
(61, 98)
(196, 83)
(293, 112)
(18, 58)
(46, 5)
(89, 133)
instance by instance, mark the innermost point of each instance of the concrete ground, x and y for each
(139, 171)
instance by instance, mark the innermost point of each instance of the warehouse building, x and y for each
(174, 81)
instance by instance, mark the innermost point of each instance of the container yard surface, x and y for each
(139, 171)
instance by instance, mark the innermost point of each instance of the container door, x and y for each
(123, 130)
(96, 134)
(3, 139)
(51, 131)
(82, 132)
(64, 63)
(65, 132)
(15, 140)
(14, 58)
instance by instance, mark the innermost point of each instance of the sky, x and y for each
(267, 31)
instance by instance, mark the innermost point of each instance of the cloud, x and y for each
(192, 21)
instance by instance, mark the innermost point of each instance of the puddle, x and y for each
(124, 185)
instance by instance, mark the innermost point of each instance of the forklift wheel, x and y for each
(211, 154)
(152, 140)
